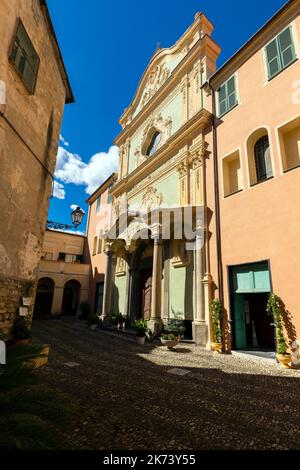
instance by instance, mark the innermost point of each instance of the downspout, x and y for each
(217, 197)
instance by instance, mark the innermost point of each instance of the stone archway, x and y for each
(44, 298)
(71, 297)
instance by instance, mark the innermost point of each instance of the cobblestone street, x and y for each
(128, 399)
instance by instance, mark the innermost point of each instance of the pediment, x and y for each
(163, 64)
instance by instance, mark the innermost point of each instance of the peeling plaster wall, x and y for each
(29, 132)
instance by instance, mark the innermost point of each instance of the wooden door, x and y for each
(146, 291)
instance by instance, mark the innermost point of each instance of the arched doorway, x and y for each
(44, 298)
(71, 298)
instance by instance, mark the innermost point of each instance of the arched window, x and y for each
(262, 158)
(153, 144)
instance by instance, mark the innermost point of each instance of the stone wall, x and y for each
(30, 125)
(10, 295)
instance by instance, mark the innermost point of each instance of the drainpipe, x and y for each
(217, 197)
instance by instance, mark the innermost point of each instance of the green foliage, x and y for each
(84, 310)
(29, 413)
(216, 315)
(20, 329)
(275, 309)
(169, 337)
(120, 318)
(141, 328)
(174, 327)
(93, 319)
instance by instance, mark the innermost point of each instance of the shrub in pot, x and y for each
(120, 320)
(141, 328)
(93, 321)
(216, 316)
(275, 309)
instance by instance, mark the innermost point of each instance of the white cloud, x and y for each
(74, 232)
(63, 141)
(71, 169)
(58, 190)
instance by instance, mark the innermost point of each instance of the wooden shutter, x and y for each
(231, 93)
(273, 58)
(222, 100)
(286, 46)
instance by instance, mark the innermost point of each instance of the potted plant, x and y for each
(216, 315)
(120, 319)
(275, 309)
(21, 332)
(173, 330)
(141, 329)
(93, 321)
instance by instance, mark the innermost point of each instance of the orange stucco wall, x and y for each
(97, 221)
(261, 222)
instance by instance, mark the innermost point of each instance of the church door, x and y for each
(146, 293)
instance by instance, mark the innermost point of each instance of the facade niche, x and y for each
(232, 174)
(289, 140)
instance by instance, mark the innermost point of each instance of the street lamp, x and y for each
(76, 216)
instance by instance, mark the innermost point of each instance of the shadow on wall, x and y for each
(287, 318)
(115, 307)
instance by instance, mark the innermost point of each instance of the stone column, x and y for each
(200, 329)
(106, 313)
(57, 300)
(155, 324)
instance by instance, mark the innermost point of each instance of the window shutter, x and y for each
(231, 93)
(273, 58)
(222, 100)
(286, 47)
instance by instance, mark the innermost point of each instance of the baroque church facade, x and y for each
(162, 170)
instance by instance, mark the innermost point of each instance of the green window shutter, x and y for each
(273, 58)
(231, 93)
(286, 47)
(222, 100)
(227, 96)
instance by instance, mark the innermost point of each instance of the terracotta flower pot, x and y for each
(216, 347)
(284, 360)
(140, 340)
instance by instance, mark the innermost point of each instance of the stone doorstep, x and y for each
(267, 358)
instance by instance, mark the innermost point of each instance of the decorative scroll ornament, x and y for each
(183, 167)
(152, 199)
(197, 156)
(157, 78)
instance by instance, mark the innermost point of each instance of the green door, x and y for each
(240, 321)
(247, 279)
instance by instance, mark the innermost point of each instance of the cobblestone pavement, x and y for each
(129, 400)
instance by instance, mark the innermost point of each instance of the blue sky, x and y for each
(106, 45)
